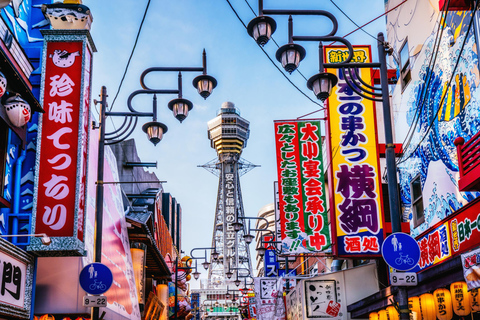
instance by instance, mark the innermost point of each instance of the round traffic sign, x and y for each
(96, 278)
(400, 251)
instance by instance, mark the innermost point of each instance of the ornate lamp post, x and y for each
(154, 129)
(322, 83)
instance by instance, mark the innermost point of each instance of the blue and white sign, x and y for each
(271, 264)
(400, 251)
(96, 278)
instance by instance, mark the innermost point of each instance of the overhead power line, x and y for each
(131, 54)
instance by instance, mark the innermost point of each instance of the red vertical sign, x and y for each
(62, 161)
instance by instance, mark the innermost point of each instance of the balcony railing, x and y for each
(468, 154)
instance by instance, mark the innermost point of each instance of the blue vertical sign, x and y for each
(271, 264)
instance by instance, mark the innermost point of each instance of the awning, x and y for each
(140, 232)
(18, 82)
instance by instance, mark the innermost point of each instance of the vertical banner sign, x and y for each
(62, 143)
(301, 187)
(229, 188)
(271, 264)
(356, 190)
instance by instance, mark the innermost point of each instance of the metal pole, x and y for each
(97, 257)
(392, 183)
(287, 283)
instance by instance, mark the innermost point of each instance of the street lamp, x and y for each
(322, 83)
(154, 130)
(214, 254)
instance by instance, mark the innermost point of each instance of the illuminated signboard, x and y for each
(356, 198)
(301, 187)
(16, 281)
(63, 143)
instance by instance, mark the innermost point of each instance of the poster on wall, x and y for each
(301, 187)
(122, 297)
(356, 192)
(266, 296)
(471, 268)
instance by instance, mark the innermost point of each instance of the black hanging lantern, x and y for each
(205, 85)
(154, 131)
(180, 108)
(290, 56)
(322, 84)
(261, 29)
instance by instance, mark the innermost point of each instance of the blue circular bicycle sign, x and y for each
(400, 251)
(96, 278)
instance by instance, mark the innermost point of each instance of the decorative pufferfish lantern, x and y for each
(3, 84)
(18, 111)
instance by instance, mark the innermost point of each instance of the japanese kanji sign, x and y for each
(456, 234)
(271, 264)
(16, 281)
(302, 204)
(322, 298)
(63, 144)
(267, 296)
(356, 190)
(229, 182)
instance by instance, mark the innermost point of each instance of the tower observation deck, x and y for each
(228, 133)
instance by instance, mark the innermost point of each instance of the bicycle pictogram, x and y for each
(404, 259)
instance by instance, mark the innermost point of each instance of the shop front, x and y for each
(448, 277)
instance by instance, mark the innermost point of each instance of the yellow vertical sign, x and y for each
(356, 188)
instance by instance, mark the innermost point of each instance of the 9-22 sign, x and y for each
(94, 301)
(403, 278)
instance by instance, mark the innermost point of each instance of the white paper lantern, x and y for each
(3, 84)
(18, 111)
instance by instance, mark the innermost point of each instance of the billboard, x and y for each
(62, 148)
(301, 187)
(356, 193)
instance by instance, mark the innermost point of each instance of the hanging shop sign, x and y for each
(271, 264)
(461, 298)
(475, 299)
(356, 193)
(301, 187)
(59, 205)
(16, 281)
(443, 304)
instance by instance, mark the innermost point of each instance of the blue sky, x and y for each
(174, 34)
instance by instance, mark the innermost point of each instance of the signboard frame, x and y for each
(8, 249)
(301, 186)
(67, 239)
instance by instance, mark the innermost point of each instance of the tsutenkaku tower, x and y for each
(228, 133)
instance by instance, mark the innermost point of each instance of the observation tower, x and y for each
(228, 133)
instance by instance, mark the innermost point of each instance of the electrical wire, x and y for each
(131, 54)
(346, 15)
(448, 86)
(431, 64)
(273, 62)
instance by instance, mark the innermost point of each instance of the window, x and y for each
(405, 73)
(417, 201)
